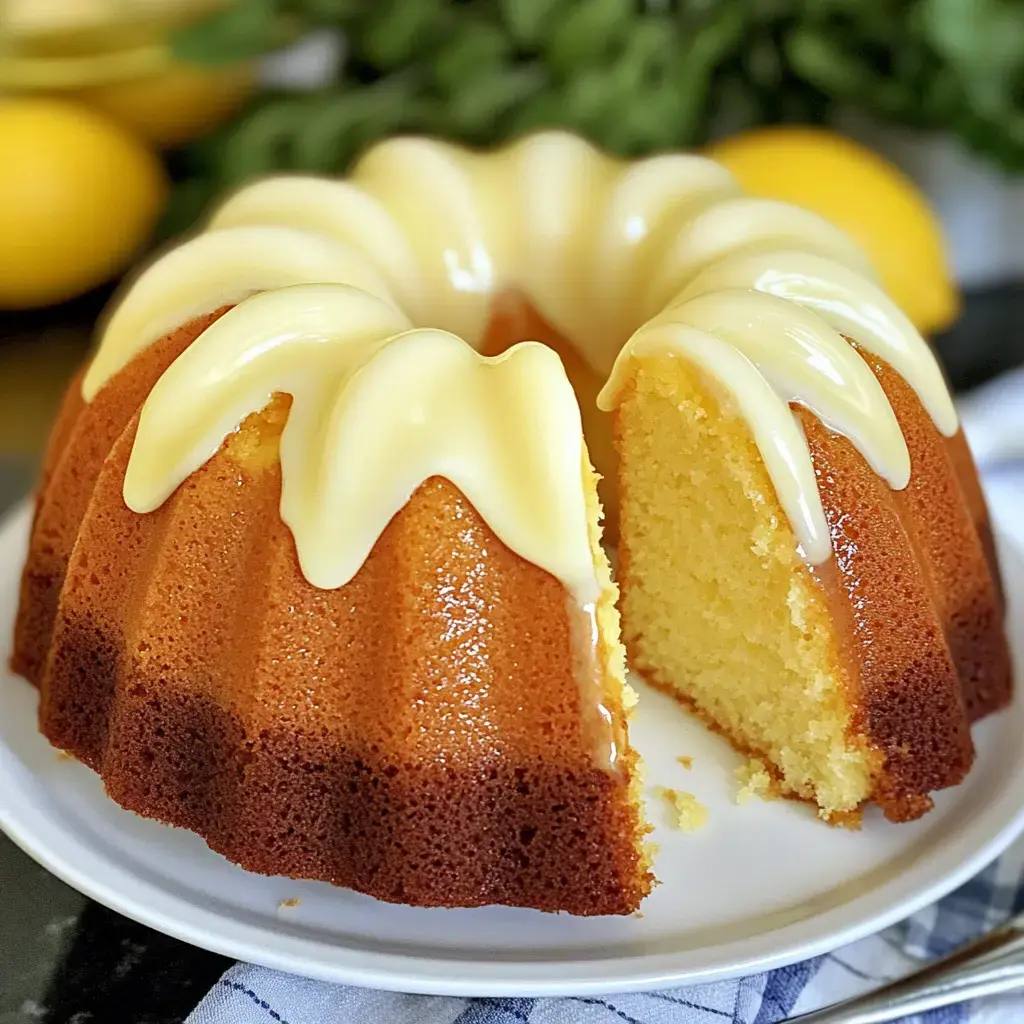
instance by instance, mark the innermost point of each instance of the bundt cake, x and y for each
(267, 640)
(316, 570)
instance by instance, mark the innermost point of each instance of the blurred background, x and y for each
(121, 121)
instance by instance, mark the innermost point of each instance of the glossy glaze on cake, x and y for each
(167, 454)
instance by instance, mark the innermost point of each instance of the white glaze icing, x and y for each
(338, 209)
(377, 409)
(216, 269)
(744, 224)
(649, 204)
(459, 254)
(806, 361)
(665, 250)
(853, 306)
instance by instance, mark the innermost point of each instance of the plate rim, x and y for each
(943, 868)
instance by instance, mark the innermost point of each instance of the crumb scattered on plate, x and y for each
(686, 761)
(63, 755)
(754, 780)
(691, 814)
(287, 904)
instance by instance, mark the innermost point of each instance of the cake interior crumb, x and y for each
(292, 901)
(691, 814)
(754, 780)
(686, 761)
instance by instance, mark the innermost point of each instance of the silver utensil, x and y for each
(991, 965)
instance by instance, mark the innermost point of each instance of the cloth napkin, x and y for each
(993, 419)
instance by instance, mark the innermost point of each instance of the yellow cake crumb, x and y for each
(719, 608)
(754, 780)
(686, 761)
(691, 813)
(288, 904)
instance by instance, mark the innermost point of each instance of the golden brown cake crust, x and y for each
(907, 699)
(970, 487)
(913, 579)
(948, 530)
(79, 442)
(418, 735)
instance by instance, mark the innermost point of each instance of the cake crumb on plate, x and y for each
(691, 814)
(754, 780)
(288, 904)
(686, 761)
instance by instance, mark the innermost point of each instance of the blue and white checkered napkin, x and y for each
(994, 421)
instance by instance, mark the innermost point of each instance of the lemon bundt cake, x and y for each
(318, 531)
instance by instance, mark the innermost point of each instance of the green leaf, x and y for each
(529, 21)
(821, 62)
(634, 75)
(477, 110)
(712, 43)
(763, 64)
(242, 31)
(332, 12)
(471, 54)
(648, 51)
(736, 105)
(546, 109)
(984, 41)
(185, 208)
(586, 33)
(262, 141)
(402, 30)
(337, 125)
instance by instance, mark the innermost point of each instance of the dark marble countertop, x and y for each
(67, 960)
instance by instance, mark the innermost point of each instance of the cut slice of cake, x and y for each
(787, 589)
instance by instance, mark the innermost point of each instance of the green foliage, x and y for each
(633, 75)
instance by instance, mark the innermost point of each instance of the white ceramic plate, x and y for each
(760, 886)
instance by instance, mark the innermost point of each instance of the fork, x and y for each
(988, 966)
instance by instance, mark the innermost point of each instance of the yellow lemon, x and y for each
(79, 195)
(866, 196)
(174, 106)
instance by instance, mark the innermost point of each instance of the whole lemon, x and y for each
(864, 195)
(79, 195)
(176, 105)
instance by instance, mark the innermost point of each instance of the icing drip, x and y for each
(445, 225)
(665, 250)
(215, 270)
(847, 302)
(377, 409)
(595, 718)
(805, 361)
(337, 209)
(649, 204)
(744, 224)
